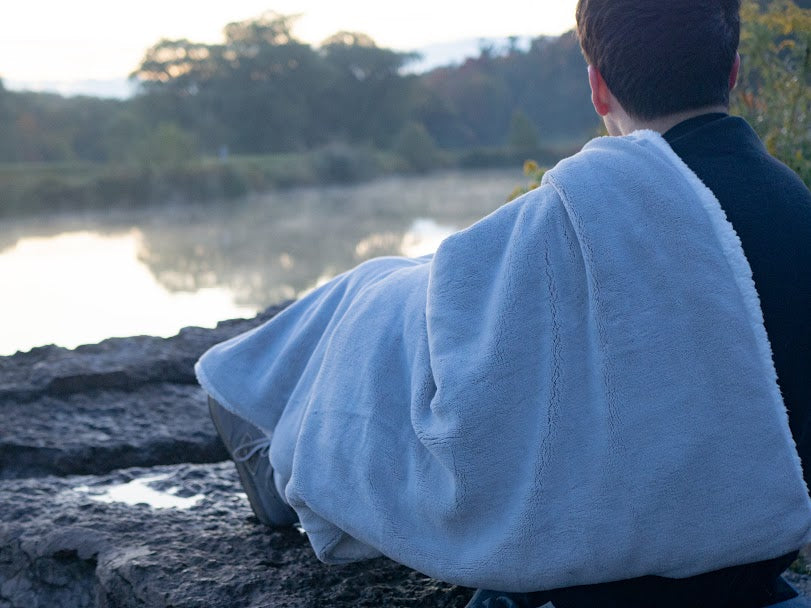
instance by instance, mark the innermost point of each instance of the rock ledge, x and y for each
(81, 428)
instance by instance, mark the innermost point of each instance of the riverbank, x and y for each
(36, 188)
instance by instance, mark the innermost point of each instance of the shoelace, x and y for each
(247, 450)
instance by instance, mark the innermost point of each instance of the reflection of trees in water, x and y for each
(273, 247)
(265, 250)
(8, 240)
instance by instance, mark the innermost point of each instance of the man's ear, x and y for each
(600, 95)
(733, 73)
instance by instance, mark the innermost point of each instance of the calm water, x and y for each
(80, 279)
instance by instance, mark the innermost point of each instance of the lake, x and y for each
(78, 279)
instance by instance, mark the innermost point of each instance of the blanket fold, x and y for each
(576, 389)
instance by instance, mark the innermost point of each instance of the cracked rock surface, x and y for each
(115, 492)
(121, 403)
(64, 541)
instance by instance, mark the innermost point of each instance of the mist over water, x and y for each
(79, 279)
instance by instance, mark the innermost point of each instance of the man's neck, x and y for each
(626, 124)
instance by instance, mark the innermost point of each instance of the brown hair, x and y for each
(659, 57)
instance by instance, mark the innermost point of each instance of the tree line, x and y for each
(263, 91)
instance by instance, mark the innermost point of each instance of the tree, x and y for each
(368, 97)
(7, 135)
(475, 97)
(255, 92)
(774, 88)
(523, 135)
(473, 104)
(270, 85)
(4, 113)
(416, 146)
(183, 65)
(177, 81)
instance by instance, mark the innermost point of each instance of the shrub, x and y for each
(417, 148)
(341, 163)
(774, 88)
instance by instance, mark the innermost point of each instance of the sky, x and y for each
(59, 40)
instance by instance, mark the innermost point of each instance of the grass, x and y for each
(41, 188)
(29, 188)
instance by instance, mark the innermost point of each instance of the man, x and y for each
(573, 400)
(670, 68)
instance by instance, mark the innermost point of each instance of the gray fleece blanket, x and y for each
(576, 389)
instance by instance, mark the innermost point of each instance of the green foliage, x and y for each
(341, 163)
(473, 105)
(3, 103)
(417, 148)
(368, 95)
(166, 146)
(523, 135)
(28, 188)
(774, 89)
(262, 91)
(41, 127)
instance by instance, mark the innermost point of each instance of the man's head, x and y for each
(661, 57)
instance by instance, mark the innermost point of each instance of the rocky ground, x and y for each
(81, 428)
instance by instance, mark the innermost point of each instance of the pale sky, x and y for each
(66, 40)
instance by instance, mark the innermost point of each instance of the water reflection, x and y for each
(424, 237)
(80, 279)
(274, 247)
(143, 491)
(82, 287)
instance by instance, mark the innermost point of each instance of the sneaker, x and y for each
(248, 447)
(484, 598)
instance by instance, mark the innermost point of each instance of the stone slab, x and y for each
(116, 363)
(121, 403)
(100, 430)
(62, 545)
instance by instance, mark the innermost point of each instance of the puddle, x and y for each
(139, 492)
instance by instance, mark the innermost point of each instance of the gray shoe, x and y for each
(484, 598)
(248, 447)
